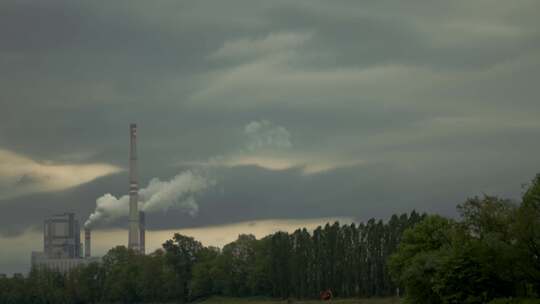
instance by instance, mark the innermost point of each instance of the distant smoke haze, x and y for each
(261, 137)
(158, 195)
(264, 134)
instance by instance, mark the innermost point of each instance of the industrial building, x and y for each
(62, 247)
(62, 237)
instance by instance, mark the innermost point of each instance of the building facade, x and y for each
(62, 237)
(62, 247)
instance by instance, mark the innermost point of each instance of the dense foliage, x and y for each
(492, 251)
(348, 259)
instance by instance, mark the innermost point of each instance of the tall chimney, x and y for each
(134, 233)
(87, 245)
(142, 231)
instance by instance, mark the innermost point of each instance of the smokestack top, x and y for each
(133, 130)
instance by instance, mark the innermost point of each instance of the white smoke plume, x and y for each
(264, 134)
(179, 192)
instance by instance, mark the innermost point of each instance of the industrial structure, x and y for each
(136, 237)
(142, 231)
(62, 247)
(87, 245)
(62, 237)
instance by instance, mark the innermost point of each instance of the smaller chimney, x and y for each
(142, 231)
(87, 245)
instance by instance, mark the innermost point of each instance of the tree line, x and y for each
(490, 254)
(350, 260)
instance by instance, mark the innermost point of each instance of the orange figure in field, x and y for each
(326, 295)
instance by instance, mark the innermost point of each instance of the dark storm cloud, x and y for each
(21, 213)
(423, 34)
(250, 192)
(70, 66)
(410, 105)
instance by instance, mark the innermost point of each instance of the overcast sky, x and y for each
(287, 109)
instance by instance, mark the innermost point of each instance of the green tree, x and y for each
(280, 269)
(85, 284)
(240, 255)
(203, 283)
(259, 277)
(181, 254)
(121, 275)
(419, 258)
(476, 271)
(527, 230)
(486, 216)
(300, 262)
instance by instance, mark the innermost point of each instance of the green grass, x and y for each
(222, 300)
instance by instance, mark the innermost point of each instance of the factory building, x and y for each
(62, 237)
(62, 247)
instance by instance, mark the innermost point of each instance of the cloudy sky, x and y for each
(270, 113)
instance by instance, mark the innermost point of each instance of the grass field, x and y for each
(220, 300)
